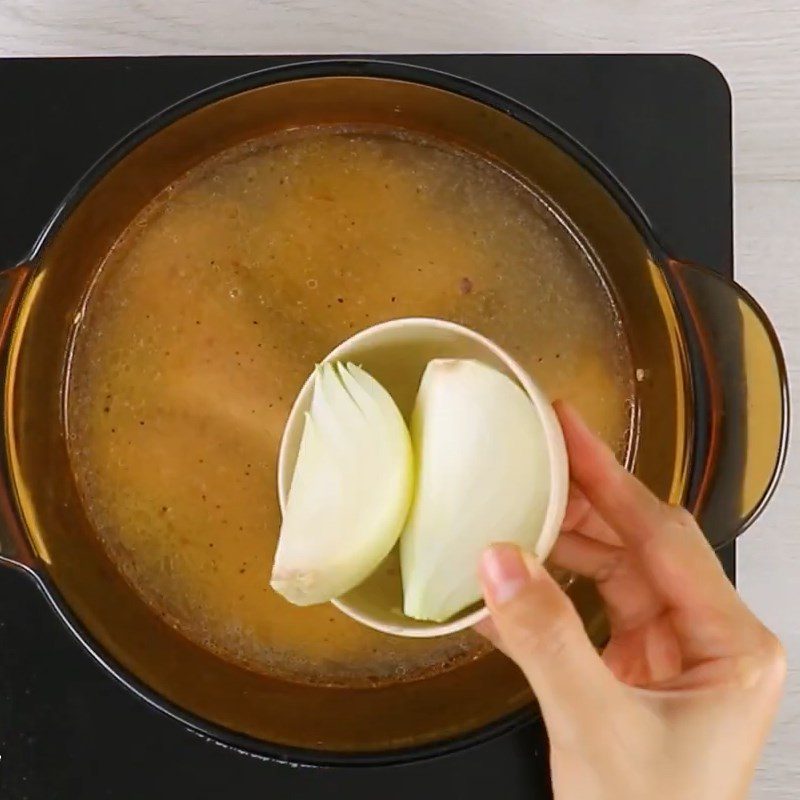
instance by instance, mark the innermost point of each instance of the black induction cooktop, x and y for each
(661, 124)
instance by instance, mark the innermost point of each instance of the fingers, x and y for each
(646, 655)
(628, 595)
(683, 568)
(633, 512)
(537, 626)
(582, 517)
(678, 562)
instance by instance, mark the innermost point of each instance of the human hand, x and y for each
(681, 700)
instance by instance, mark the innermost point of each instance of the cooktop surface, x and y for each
(661, 124)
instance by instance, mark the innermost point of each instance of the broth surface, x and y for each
(210, 312)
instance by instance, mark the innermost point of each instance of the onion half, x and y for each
(483, 476)
(351, 490)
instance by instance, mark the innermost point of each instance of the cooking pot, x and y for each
(709, 427)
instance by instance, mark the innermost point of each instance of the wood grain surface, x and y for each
(755, 43)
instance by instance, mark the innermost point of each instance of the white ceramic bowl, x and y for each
(396, 354)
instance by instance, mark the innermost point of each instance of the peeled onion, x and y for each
(483, 476)
(351, 489)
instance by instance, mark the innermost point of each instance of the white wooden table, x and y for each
(756, 43)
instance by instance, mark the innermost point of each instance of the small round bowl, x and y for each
(396, 354)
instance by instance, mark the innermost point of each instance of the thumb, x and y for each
(536, 625)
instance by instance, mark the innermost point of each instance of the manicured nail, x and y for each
(504, 572)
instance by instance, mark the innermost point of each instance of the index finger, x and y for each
(667, 542)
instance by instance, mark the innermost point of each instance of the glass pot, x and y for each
(709, 426)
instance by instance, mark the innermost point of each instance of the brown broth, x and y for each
(212, 309)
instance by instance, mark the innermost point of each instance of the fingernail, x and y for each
(504, 572)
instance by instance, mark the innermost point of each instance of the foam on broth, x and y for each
(211, 311)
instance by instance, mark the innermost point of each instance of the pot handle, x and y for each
(15, 548)
(741, 416)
